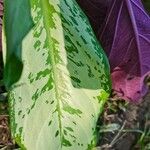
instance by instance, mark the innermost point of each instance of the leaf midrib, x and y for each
(46, 21)
(135, 29)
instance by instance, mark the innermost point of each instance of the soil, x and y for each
(134, 121)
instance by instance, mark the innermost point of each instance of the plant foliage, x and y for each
(65, 79)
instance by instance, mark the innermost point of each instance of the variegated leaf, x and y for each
(65, 80)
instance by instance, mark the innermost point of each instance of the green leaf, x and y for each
(17, 22)
(64, 83)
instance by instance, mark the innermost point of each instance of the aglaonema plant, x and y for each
(64, 81)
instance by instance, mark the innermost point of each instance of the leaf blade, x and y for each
(63, 80)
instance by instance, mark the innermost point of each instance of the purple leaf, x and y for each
(125, 36)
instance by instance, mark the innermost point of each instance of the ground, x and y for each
(126, 125)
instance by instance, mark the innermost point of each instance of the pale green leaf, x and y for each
(65, 81)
